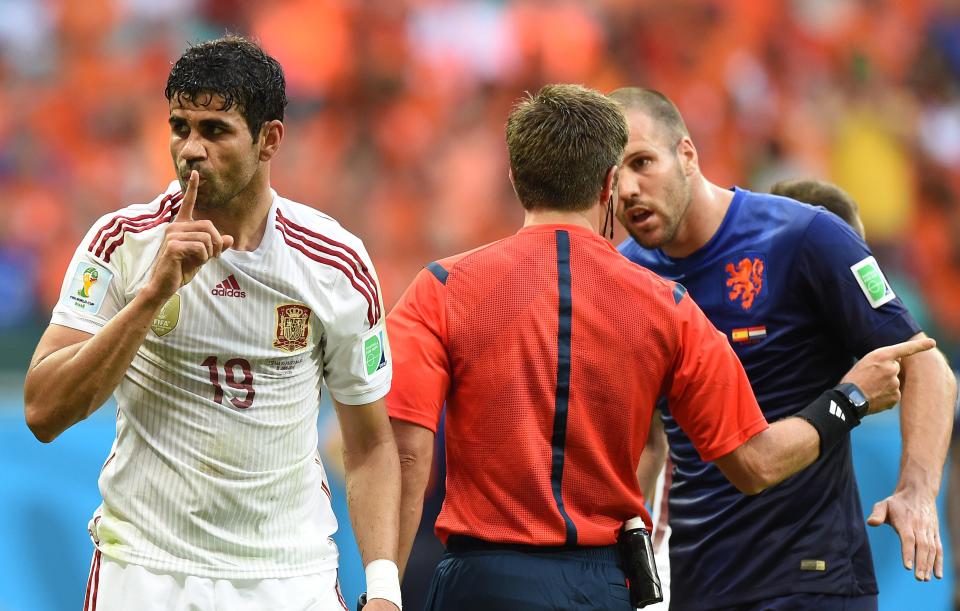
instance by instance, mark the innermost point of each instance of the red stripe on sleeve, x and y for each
(123, 222)
(371, 317)
(123, 219)
(355, 261)
(169, 216)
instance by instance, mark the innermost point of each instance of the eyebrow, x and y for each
(204, 123)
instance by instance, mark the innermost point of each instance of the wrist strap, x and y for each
(383, 581)
(833, 416)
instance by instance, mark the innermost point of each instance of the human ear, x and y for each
(271, 134)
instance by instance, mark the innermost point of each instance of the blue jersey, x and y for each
(799, 297)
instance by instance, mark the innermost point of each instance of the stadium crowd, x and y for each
(398, 109)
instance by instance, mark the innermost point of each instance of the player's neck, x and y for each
(708, 205)
(245, 216)
(543, 216)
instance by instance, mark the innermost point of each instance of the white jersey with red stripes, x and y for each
(214, 471)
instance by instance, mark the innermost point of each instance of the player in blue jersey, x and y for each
(799, 296)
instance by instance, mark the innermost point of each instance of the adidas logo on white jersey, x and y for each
(836, 411)
(228, 288)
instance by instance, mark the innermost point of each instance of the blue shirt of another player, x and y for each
(799, 296)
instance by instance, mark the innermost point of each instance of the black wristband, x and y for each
(832, 415)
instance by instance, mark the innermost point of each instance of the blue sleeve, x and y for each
(839, 277)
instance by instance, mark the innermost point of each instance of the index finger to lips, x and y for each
(189, 198)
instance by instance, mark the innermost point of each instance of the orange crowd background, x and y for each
(397, 108)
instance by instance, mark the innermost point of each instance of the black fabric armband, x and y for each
(833, 416)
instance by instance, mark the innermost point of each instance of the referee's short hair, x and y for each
(562, 141)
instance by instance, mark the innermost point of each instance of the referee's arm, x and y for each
(415, 446)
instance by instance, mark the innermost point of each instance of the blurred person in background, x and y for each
(822, 193)
(549, 351)
(799, 296)
(214, 313)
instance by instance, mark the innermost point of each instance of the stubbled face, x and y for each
(218, 145)
(653, 191)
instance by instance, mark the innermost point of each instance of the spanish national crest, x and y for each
(746, 280)
(293, 327)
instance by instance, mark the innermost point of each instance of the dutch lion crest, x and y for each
(745, 280)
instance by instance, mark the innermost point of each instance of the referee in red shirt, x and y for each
(550, 350)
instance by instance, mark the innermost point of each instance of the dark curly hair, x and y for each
(238, 71)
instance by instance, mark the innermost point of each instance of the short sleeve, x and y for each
(418, 330)
(709, 394)
(839, 274)
(357, 362)
(92, 292)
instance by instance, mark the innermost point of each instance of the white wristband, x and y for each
(383, 581)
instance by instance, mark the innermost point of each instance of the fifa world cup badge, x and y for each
(88, 287)
(293, 327)
(168, 316)
(89, 278)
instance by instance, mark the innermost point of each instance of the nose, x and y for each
(193, 150)
(628, 187)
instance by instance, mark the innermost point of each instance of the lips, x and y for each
(638, 217)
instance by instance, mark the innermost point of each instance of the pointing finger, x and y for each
(905, 349)
(189, 198)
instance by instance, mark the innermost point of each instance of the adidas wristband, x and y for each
(833, 415)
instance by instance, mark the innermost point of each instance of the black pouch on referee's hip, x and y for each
(636, 553)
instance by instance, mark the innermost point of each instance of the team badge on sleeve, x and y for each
(88, 287)
(374, 352)
(293, 327)
(746, 280)
(872, 282)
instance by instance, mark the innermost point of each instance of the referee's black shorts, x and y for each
(478, 576)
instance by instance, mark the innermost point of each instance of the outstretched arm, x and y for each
(926, 420)
(792, 444)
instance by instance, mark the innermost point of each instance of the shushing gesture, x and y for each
(187, 246)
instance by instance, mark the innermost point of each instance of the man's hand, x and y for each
(187, 245)
(878, 373)
(380, 604)
(914, 517)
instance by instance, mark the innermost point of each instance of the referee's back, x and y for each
(550, 349)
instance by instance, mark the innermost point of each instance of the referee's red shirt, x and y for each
(550, 350)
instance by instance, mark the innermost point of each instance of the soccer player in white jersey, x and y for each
(213, 313)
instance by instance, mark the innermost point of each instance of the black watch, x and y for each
(856, 398)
